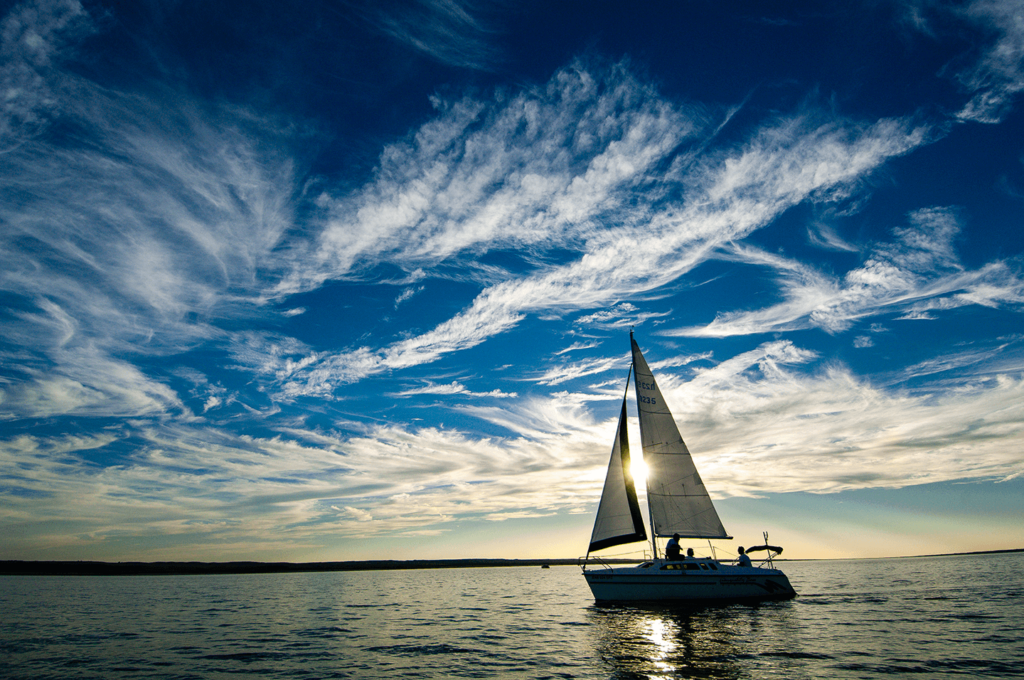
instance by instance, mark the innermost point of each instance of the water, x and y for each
(922, 617)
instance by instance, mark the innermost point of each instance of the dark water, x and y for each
(922, 617)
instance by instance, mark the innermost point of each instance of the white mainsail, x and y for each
(618, 515)
(678, 501)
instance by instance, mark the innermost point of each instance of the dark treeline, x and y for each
(73, 568)
(80, 568)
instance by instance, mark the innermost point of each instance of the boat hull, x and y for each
(657, 582)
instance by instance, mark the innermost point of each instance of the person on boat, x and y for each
(672, 548)
(689, 552)
(744, 559)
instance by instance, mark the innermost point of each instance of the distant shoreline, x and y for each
(84, 568)
(87, 568)
(903, 557)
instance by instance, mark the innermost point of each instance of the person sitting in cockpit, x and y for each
(672, 548)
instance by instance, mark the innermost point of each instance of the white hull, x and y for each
(692, 580)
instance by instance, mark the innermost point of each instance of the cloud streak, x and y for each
(915, 275)
(730, 195)
(998, 76)
(453, 388)
(773, 429)
(448, 31)
(131, 227)
(754, 423)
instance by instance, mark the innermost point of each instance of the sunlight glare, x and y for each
(638, 468)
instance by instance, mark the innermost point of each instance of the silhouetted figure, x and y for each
(672, 549)
(744, 560)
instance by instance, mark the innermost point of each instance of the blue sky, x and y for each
(349, 280)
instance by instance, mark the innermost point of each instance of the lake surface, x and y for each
(919, 617)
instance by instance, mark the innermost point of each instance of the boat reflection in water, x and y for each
(713, 642)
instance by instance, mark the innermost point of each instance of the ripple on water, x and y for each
(852, 620)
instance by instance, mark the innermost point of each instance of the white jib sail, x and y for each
(618, 515)
(677, 497)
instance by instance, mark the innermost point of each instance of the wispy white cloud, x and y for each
(89, 383)
(131, 239)
(681, 360)
(449, 31)
(577, 346)
(229, 489)
(823, 235)
(407, 295)
(753, 423)
(183, 210)
(270, 354)
(998, 76)
(524, 171)
(621, 315)
(557, 375)
(33, 37)
(728, 196)
(355, 513)
(916, 274)
(781, 430)
(453, 388)
(957, 362)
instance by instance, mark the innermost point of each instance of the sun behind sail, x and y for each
(618, 515)
(676, 495)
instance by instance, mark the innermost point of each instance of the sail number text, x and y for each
(647, 386)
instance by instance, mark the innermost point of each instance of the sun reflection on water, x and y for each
(663, 645)
(673, 643)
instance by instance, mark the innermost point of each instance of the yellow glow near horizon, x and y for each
(638, 468)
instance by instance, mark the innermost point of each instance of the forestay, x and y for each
(678, 500)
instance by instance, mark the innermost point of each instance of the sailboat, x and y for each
(678, 504)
